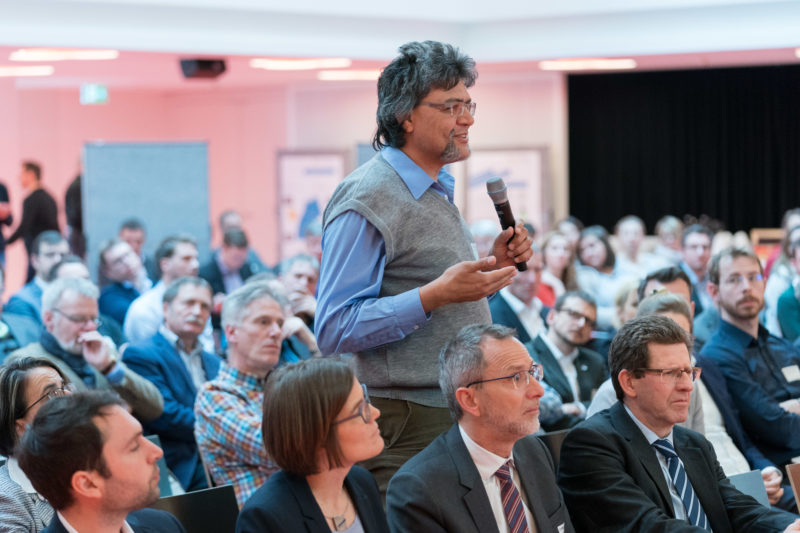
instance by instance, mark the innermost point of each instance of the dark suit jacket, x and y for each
(591, 374)
(440, 489)
(503, 314)
(285, 503)
(141, 521)
(612, 481)
(158, 362)
(213, 275)
(115, 299)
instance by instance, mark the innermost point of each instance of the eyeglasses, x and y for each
(456, 109)
(364, 410)
(737, 279)
(574, 315)
(64, 389)
(674, 374)
(536, 371)
(79, 319)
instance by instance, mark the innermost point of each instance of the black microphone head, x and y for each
(496, 188)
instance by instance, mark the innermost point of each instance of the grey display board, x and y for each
(163, 184)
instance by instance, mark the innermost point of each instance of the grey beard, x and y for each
(451, 154)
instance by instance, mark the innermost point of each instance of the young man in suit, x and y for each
(517, 305)
(574, 371)
(87, 456)
(630, 468)
(174, 361)
(487, 473)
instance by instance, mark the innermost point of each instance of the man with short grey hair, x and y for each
(90, 361)
(228, 408)
(400, 274)
(487, 473)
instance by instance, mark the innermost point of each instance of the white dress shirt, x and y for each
(529, 315)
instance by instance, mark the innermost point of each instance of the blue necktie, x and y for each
(697, 517)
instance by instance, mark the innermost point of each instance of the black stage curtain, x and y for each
(721, 142)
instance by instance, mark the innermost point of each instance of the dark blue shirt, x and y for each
(753, 369)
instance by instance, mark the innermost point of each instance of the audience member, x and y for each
(761, 368)
(571, 227)
(133, 232)
(47, 249)
(25, 385)
(626, 302)
(318, 423)
(789, 301)
(399, 274)
(88, 457)
(630, 232)
(790, 219)
(487, 473)
(88, 359)
(15, 330)
(299, 275)
(781, 279)
(517, 306)
(121, 267)
(5, 220)
(558, 275)
(72, 266)
(696, 252)
(299, 342)
(228, 269)
(669, 230)
(175, 362)
(574, 371)
(484, 232)
(229, 220)
(39, 211)
(629, 468)
(228, 408)
(73, 209)
(176, 257)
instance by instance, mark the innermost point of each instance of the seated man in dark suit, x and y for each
(48, 248)
(228, 269)
(517, 306)
(174, 361)
(87, 456)
(121, 274)
(630, 468)
(574, 371)
(487, 473)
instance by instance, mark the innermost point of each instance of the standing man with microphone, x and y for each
(400, 274)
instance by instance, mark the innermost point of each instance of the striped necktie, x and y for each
(694, 512)
(512, 503)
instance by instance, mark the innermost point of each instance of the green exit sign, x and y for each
(94, 94)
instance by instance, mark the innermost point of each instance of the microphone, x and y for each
(496, 188)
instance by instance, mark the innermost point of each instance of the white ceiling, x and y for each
(512, 34)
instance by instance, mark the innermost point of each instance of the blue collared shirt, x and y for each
(351, 316)
(755, 370)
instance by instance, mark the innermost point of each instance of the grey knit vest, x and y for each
(423, 238)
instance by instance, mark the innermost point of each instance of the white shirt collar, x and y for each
(125, 527)
(18, 476)
(518, 305)
(485, 461)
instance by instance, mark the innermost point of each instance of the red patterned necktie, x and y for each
(512, 503)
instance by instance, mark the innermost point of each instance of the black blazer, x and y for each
(285, 503)
(503, 314)
(440, 489)
(141, 521)
(612, 481)
(213, 275)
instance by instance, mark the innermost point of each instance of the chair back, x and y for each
(211, 510)
(553, 442)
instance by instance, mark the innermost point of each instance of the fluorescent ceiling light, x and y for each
(17, 72)
(348, 75)
(56, 54)
(300, 64)
(588, 64)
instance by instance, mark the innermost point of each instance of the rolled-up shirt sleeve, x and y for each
(351, 315)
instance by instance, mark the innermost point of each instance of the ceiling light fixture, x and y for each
(349, 75)
(57, 54)
(587, 64)
(18, 72)
(300, 64)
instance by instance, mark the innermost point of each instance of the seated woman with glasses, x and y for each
(317, 424)
(25, 385)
